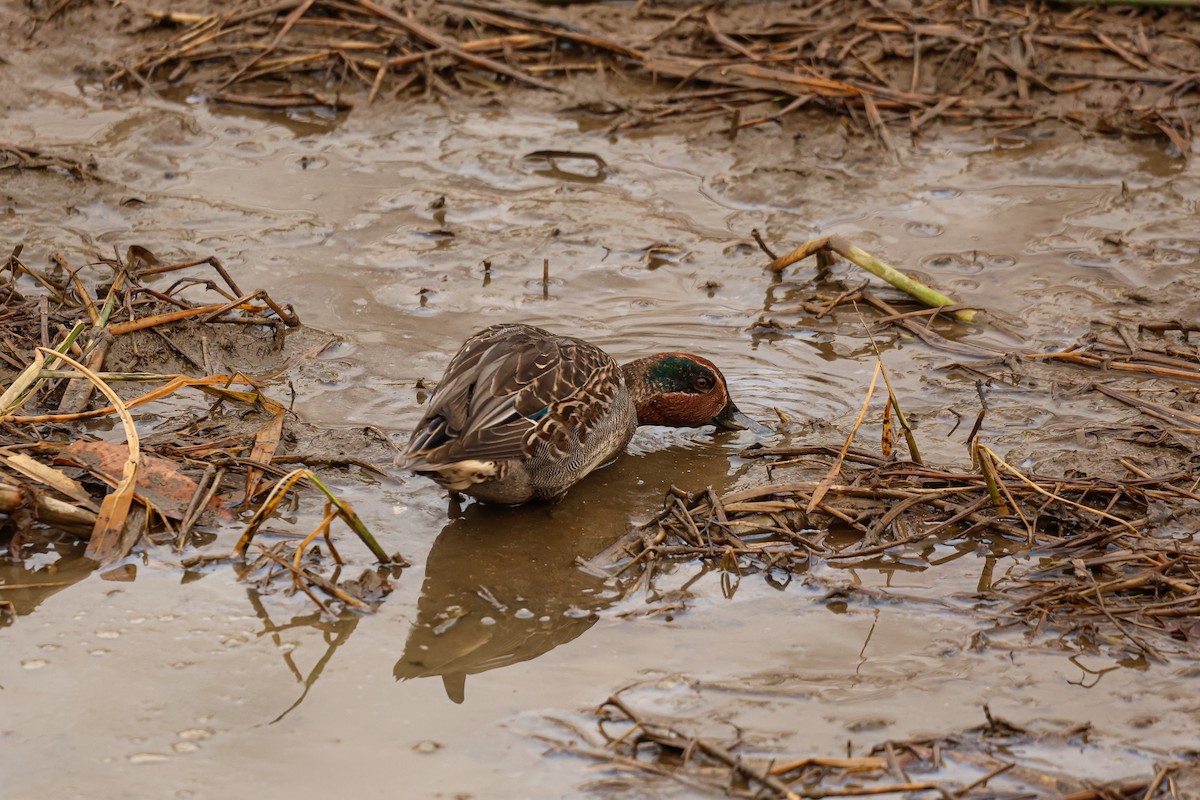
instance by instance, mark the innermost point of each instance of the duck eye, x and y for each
(703, 383)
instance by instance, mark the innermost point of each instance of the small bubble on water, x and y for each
(49, 646)
(523, 613)
(147, 758)
(107, 634)
(426, 746)
(34, 663)
(185, 747)
(1088, 260)
(943, 261)
(195, 734)
(1176, 259)
(925, 229)
(99, 651)
(487, 621)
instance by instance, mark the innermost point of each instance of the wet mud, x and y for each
(487, 668)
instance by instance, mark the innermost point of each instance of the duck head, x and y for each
(682, 390)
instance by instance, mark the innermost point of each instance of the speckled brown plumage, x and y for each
(523, 414)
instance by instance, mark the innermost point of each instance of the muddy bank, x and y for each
(893, 71)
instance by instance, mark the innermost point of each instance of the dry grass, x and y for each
(891, 71)
(68, 333)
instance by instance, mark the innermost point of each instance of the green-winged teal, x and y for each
(523, 414)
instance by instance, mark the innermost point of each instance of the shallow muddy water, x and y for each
(378, 228)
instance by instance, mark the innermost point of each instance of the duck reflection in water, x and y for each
(502, 586)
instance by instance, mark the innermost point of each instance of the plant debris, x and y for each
(1097, 567)
(888, 69)
(64, 342)
(991, 760)
(1098, 560)
(17, 157)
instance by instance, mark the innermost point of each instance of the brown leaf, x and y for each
(159, 481)
(1184, 631)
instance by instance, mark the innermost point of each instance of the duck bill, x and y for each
(731, 419)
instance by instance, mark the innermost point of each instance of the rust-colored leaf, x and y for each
(159, 482)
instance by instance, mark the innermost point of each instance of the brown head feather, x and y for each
(678, 389)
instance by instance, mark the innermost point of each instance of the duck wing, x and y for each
(511, 389)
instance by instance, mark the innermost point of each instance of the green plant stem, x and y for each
(928, 296)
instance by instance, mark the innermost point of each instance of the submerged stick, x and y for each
(850, 252)
(668, 735)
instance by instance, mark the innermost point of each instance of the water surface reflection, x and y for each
(504, 585)
(501, 587)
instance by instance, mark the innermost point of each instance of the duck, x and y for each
(522, 414)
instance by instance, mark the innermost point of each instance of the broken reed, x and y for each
(1101, 565)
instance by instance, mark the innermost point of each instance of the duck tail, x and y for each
(458, 476)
